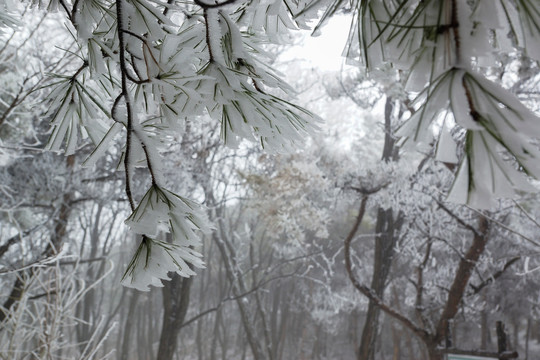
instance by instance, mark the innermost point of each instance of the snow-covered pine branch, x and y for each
(147, 66)
(446, 48)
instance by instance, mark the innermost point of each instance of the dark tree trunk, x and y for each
(387, 228)
(14, 296)
(515, 324)
(175, 305)
(462, 277)
(396, 341)
(484, 329)
(501, 337)
(527, 335)
(434, 353)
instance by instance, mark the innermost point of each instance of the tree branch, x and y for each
(457, 218)
(16, 238)
(214, 6)
(492, 278)
(126, 97)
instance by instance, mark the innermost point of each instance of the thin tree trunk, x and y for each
(396, 342)
(527, 335)
(86, 308)
(224, 338)
(215, 334)
(515, 324)
(130, 318)
(484, 330)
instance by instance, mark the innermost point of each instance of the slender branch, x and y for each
(79, 70)
(76, 262)
(526, 213)
(457, 218)
(208, 42)
(498, 274)
(12, 105)
(475, 115)
(148, 162)
(49, 293)
(365, 191)
(135, 80)
(231, 298)
(441, 239)
(146, 45)
(455, 28)
(16, 238)
(66, 9)
(137, 72)
(214, 6)
(498, 223)
(116, 103)
(127, 100)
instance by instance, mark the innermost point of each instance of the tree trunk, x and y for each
(434, 353)
(124, 353)
(484, 329)
(388, 228)
(501, 337)
(527, 335)
(86, 309)
(175, 305)
(462, 277)
(369, 333)
(515, 324)
(396, 341)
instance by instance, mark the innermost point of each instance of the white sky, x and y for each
(324, 51)
(315, 63)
